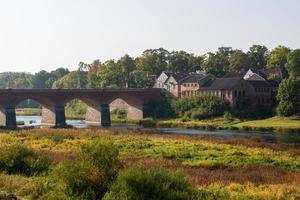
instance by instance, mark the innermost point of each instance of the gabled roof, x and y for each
(235, 75)
(255, 77)
(259, 83)
(221, 84)
(193, 78)
(180, 76)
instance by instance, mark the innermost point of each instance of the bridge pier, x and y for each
(2, 117)
(11, 121)
(54, 116)
(60, 117)
(105, 115)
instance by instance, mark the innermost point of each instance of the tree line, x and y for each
(140, 72)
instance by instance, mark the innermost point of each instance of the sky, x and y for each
(47, 34)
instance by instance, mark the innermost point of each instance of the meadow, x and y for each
(231, 168)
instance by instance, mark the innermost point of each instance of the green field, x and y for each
(230, 168)
(275, 122)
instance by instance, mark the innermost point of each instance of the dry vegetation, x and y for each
(231, 168)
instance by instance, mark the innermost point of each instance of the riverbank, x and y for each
(276, 124)
(230, 168)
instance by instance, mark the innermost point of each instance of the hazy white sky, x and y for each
(46, 34)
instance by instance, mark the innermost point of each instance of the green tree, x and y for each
(126, 65)
(196, 63)
(73, 80)
(140, 79)
(178, 62)
(258, 56)
(293, 63)
(109, 76)
(289, 97)
(153, 61)
(92, 70)
(238, 61)
(278, 59)
(40, 80)
(218, 63)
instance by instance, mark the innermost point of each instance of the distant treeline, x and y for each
(141, 71)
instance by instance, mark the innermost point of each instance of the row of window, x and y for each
(265, 90)
(189, 93)
(190, 85)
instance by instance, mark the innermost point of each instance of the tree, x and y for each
(258, 56)
(153, 61)
(218, 63)
(238, 61)
(196, 63)
(127, 65)
(178, 62)
(278, 59)
(40, 80)
(92, 70)
(140, 79)
(109, 75)
(73, 80)
(293, 63)
(289, 97)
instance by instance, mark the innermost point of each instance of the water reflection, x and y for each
(285, 138)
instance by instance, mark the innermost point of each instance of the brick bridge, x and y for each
(53, 103)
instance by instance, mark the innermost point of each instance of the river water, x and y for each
(292, 139)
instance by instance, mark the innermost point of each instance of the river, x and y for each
(292, 139)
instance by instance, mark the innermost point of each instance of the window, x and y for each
(235, 93)
(244, 93)
(240, 94)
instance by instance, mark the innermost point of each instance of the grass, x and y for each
(29, 111)
(279, 124)
(219, 167)
(275, 122)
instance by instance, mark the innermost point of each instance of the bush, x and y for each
(160, 108)
(289, 97)
(90, 175)
(228, 116)
(200, 107)
(140, 183)
(20, 159)
(118, 114)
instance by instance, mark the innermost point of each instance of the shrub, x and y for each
(20, 159)
(160, 108)
(228, 116)
(139, 183)
(119, 114)
(289, 97)
(90, 175)
(200, 107)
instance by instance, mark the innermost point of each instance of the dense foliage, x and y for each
(140, 72)
(289, 90)
(200, 107)
(21, 159)
(289, 97)
(140, 183)
(90, 175)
